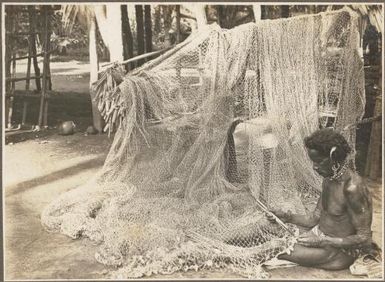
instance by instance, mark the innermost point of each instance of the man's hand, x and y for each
(309, 240)
(284, 216)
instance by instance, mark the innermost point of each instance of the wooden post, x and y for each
(8, 56)
(11, 99)
(94, 69)
(32, 26)
(27, 82)
(12, 86)
(373, 161)
(45, 68)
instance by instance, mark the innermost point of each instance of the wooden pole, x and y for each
(373, 162)
(12, 86)
(8, 60)
(45, 69)
(32, 26)
(27, 82)
(94, 69)
(136, 58)
(11, 99)
(178, 39)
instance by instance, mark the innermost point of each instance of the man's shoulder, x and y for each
(357, 193)
(356, 184)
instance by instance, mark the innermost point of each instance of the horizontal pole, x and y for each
(16, 79)
(26, 57)
(187, 17)
(136, 58)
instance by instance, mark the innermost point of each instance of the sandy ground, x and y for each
(37, 171)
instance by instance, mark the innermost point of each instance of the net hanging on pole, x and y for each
(172, 195)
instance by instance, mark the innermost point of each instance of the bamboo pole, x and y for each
(136, 58)
(24, 78)
(27, 82)
(32, 23)
(11, 99)
(12, 86)
(45, 69)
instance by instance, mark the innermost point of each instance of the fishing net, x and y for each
(209, 135)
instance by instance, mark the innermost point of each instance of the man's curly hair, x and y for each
(323, 140)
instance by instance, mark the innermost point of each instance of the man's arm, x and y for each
(360, 212)
(304, 220)
(307, 220)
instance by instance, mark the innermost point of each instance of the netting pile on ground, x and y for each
(177, 192)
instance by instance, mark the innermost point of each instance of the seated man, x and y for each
(341, 221)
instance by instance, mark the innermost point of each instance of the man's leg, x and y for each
(339, 262)
(313, 257)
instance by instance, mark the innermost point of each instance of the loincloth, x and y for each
(354, 252)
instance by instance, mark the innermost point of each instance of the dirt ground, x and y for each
(46, 164)
(36, 171)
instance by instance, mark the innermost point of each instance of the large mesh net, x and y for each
(206, 136)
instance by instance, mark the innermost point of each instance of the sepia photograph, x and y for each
(192, 140)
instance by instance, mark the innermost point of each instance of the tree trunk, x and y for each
(148, 28)
(114, 19)
(167, 21)
(226, 15)
(263, 12)
(139, 31)
(285, 11)
(178, 35)
(200, 14)
(128, 41)
(157, 19)
(94, 68)
(109, 22)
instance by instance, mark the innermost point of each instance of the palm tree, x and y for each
(105, 18)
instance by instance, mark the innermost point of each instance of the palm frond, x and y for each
(83, 14)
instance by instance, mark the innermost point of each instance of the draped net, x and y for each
(184, 180)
